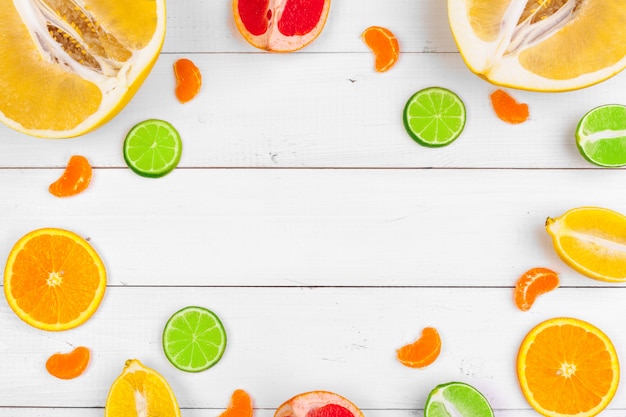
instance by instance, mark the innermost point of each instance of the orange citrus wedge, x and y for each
(532, 284)
(421, 352)
(591, 240)
(69, 365)
(75, 178)
(92, 54)
(567, 367)
(541, 45)
(384, 46)
(188, 80)
(240, 405)
(54, 279)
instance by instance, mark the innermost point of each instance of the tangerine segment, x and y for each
(140, 391)
(53, 279)
(591, 240)
(188, 79)
(384, 45)
(318, 404)
(507, 108)
(567, 367)
(75, 178)
(240, 405)
(421, 352)
(533, 283)
(68, 365)
(280, 25)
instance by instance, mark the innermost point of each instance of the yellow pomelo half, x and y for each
(541, 45)
(69, 66)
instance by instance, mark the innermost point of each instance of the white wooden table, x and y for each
(308, 220)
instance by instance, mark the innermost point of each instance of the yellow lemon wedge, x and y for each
(541, 45)
(591, 240)
(69, 66)
(140, 391)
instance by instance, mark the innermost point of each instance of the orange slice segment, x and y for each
(240, 405)
(68, 365)
(188, 80)
(507, 108)
(421, 352)
(384, 45)
(75, 178)
(533, 283)
(54, 279)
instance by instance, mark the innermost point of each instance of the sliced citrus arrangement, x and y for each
(75, 178)
(456, 399)
(194, 339)
(421, 352)
(567, 367)
(54, 279)
(507, 108)
(280, 25)
(540, 45)
(384, 45)
(591, 240)
(532, 284)
(69, 365)
(240, 405)
(140, 391)
(601, 135)
(318, 404)
(92, 54)
(152, 148)
(188, 80)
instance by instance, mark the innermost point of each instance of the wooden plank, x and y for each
(283, 341)
(314, 227)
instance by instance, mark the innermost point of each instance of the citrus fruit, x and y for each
(188, 79)
(384, 45)
(194, 339)
(591, 240)
(53, 279)
(75, 178)
(567, 367)
(421, 352)
(280, 25)
(68, 365)
(540, 45)
(140, 391)
(533, 283)
(92, 54)
(507, 108)
(456, 399)
(601, 135)
(434, 116)
(152, 148)
(318, 404)
(240, 405)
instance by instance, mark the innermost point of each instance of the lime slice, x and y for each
(194, 339)
(601, 135)
(456, 399)
(434, 117)
(152, 148)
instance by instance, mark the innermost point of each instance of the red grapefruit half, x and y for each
(318, 404)
(280, 25)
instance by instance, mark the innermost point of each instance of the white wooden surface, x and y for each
(304, 216)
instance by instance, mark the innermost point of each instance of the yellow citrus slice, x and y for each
(54, 279)
(541, 45)
(591, 240)
(69, 66)
(567, 367)
(140, 391)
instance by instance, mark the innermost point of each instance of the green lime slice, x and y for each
(194, 339)
(456, 399)
(601, 135)
(152, 148)
(434, 117)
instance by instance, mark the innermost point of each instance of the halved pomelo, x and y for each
(69, 66)
(280, 25)
(541, 45)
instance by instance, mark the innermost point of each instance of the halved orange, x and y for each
(69, 66)
(567, 367)
(540, 45)
(280, 25)
(54, 279)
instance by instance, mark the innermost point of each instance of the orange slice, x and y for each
(567, 367)
(318, 404)
(92, 54)
(533, 283)
(188, 80)
(541, 45)
(53, 279)
(240, 405)
(384, 45)
(280, 25)
(68, 365)
(507, 108)
(75, 178)
(421, 352)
